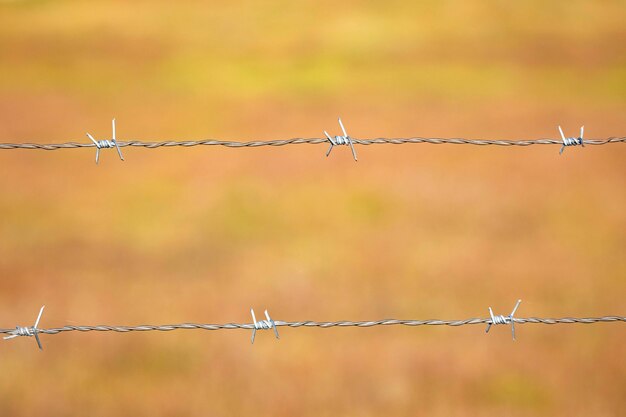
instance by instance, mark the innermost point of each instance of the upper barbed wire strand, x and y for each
(311, 141)
(323, 324)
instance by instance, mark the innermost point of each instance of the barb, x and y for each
(572, 141)
(324, 324)
(263, 325)
(503, 320)
(27, 331)
(99, 144)
(341, 140)
(309, 141)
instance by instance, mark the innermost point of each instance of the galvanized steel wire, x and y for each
(311, 141)
(321, 324)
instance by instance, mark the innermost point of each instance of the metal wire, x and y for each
(322, 324)
(311, 141)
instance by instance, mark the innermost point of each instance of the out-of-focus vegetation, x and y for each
(417, 231)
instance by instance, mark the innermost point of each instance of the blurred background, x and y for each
(416, 231)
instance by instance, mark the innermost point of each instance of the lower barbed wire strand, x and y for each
(311, 141)
(328, 324)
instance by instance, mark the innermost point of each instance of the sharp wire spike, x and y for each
(273, 324)
(582, 132)
(332, 143)
(352, 147)
(97, 146)
(119, 151)
(330, 138)
(39, 316)
(503, 319)
(564, 141)
(345, 134)
(254, 323)
(92, 139)
(515, 308)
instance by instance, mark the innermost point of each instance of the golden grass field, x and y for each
(415, 231)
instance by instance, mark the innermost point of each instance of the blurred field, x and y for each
(417, 231)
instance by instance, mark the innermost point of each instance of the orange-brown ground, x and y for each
(417, 231)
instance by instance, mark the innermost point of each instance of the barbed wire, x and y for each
(309, 141)
(270, 324)
(344, 139)
(322, 324)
